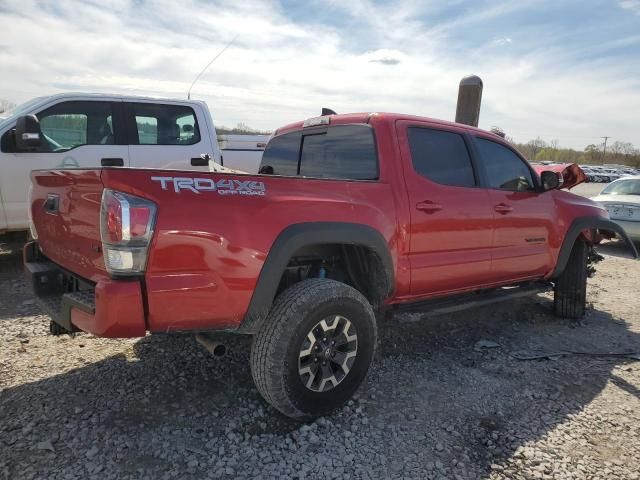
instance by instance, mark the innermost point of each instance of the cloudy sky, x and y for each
(558, 69)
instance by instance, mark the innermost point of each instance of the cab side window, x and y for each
(72, 124)
(441, 156)
(164, 125)
(505, 170)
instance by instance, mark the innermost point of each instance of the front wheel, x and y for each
(314, 349)
(570, 292)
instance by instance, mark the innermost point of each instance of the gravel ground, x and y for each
(445, 399)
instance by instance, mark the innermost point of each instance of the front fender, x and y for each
(583, 224)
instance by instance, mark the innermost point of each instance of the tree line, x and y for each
(241, 129)
(618, 152)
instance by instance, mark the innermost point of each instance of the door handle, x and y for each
(201, 161)
(503, 208)
(112, 162)
(428, 206)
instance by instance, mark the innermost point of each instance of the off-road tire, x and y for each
(570, 292)
(276, 347)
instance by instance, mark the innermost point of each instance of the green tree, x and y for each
(592, 153)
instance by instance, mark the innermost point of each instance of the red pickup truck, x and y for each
(351, 215)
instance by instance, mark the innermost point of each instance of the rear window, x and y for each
(282, 154)
(342, 152)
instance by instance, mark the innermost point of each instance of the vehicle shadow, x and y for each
(15, 297)
(11, 253)
(162, 402)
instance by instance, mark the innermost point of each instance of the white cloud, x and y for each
(385, 56)
(633, 5)
(499, 42)
(279, 70)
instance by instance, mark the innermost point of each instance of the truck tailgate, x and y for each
(65, 207)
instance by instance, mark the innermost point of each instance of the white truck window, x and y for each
(147, 130)
(72, 124)
(165, 124)
(66, 130)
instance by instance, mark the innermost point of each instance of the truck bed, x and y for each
(212, 234)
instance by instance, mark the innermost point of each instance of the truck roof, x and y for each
(106, 96)
(363, 117)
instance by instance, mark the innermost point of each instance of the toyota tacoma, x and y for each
(351, 215)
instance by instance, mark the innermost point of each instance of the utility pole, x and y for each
(604, 149)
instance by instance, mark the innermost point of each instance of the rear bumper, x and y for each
(110, 308)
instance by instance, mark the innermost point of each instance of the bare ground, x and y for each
(432, 407)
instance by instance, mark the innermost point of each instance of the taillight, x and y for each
(126, 228)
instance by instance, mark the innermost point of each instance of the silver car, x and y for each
(621, 198)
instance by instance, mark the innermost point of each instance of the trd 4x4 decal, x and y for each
(222, 186)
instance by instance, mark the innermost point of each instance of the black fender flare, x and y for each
(588, 223)
(301, 235)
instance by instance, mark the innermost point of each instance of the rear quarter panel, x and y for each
(208, 248)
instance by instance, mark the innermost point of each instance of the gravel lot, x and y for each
(437, 404)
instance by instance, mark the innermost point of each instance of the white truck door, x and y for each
(167, 135)
(75, 134)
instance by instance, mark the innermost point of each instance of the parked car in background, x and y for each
(621, 198)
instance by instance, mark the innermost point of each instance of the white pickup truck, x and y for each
(80, 130)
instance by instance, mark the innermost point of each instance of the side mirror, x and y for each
(550, 180)
(28, 133)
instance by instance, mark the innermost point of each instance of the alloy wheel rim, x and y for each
(328, 353)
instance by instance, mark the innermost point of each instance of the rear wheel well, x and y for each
(355, 265)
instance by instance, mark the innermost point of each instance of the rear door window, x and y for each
(504, 169)
(147, 130)
(158, 124)
(441, 156)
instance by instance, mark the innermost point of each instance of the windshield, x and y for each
(623, 187)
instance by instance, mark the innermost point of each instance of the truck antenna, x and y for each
(208, 65)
